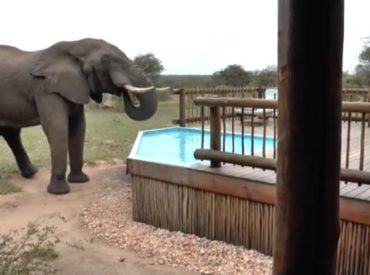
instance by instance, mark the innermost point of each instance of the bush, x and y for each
(29, 253)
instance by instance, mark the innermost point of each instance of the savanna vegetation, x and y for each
(232, 75)
(236, 75)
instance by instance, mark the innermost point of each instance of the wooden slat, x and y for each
(266, 163)
(237, 187)
(349, 187)
(364, 195)
(353, 210)
(357, 191)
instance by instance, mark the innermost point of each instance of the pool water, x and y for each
(176, 145)
(271, 93)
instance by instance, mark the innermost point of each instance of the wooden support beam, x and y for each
(216, 133)
(368, 115)
(347, 106)
(310, 35)
(355, 107)
(182, 107)
(235, 102)
(213, 155)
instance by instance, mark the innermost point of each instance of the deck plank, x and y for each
(349, 190)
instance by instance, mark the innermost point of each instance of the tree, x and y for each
(266, 77)
(150, 64)
(365, 54)
(362, 72)
(349, 80)
(232, 75)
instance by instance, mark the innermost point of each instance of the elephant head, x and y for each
(87, 68)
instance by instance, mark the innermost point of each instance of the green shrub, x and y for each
(30, 252)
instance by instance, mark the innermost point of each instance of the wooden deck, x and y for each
(349, 190)
(237, 204)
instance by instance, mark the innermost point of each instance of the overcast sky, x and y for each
(189, 36)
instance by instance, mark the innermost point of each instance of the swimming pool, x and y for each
(176, 145)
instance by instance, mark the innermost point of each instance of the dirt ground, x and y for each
(34, 204)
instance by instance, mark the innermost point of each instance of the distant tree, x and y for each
(188, 81)
(266, 77)
(349, 80)
(365, 54)
(150, 64)
(232, 75)
(362, 71)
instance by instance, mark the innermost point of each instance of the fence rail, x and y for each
(355, 166)
(190, 113)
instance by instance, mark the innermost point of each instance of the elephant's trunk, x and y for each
(147, 105)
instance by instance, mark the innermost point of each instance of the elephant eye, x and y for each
(105, 58)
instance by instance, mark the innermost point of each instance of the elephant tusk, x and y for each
(164, 89)
(137, 90)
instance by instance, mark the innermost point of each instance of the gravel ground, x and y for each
(109, 218)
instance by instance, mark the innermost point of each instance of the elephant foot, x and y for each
(29, 171)
(78, 177)
(58, 186)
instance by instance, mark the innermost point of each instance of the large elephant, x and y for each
(51, 86)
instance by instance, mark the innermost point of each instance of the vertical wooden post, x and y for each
(310, 68)
(368, 115)
(182, 107)
(215, 133)
(261, 93)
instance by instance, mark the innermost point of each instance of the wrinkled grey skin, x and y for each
(51, 86)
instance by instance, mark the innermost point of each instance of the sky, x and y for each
(188, 36)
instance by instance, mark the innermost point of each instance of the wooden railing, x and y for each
(355, 95)
(355, 168)
(190, 113)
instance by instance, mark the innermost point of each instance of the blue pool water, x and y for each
(176, 145)
(271, 93)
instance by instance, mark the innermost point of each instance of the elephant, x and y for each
(51, 86)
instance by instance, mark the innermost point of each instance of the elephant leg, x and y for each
(76, 146)
(13, 137)
(53, 111)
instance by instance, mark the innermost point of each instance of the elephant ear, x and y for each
(63, 75)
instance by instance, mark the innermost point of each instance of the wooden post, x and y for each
(182, 108)
(261, 93)
(310, 68)
(215, 133)
(368, 115)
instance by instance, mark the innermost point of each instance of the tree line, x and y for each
(360, 78)
(236, 75)
(232, 75)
